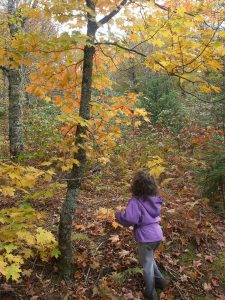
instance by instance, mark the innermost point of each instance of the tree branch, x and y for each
(108, 17)
(4, 69)
(121, 47)
(169, 10)
(203, 50)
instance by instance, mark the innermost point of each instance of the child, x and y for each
(143, 211)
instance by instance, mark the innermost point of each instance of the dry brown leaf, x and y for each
(207, 287)
(124, 253)
(114, 238)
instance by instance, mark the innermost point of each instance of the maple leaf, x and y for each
(13, 271)
(3, 266)
(157, 171)
(184, 278)
(26, 236)
(197, 263)
(14, 258)
(44, 237)
(116, 225)
(27, 253)
(79, 226)
(209, 258)
(114, 238)
(215, 282)
(10, 247)
(7, 191)
(207, 287)
(27, 273)
(55, 253)
(137, 123)
(123, 253)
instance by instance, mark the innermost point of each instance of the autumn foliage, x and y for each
(105, 92)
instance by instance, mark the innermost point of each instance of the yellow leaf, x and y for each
(140, 112)
(10, 247)
(156, 160)
(26, 236)
(158, 42)
(44, 237)
(157, 171)
(104, 160)
(14, 258)
(8, 191)
(205, 89)
(137, 123)
(115, 224)
(48, 177)
(46, 163)
(3, 266)
(215, 88)
(27, 253)
(47, 99)
(13, 271)
(28, 180)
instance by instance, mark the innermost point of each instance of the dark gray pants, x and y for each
(152, 274)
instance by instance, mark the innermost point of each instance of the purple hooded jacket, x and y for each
(145, 216)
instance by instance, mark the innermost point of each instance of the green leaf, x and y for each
(55, 253)
(10, 247)
(13, 271)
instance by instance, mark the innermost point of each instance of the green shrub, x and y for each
(162, 101)
(211, 176)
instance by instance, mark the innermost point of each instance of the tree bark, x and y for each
(15, 113)
(74, 182)
(15, 93)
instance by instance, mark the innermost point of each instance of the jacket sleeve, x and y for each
(131, 215)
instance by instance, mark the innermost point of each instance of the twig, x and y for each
(180, 292)
(89, 269)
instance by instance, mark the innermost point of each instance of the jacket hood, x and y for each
(152, 205)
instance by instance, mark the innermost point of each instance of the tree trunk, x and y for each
(74, 182)
(133, 78)
(15, 113)
(15, 91)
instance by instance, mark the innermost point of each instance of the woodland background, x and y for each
(90, 92)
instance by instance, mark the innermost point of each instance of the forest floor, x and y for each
(192, 256)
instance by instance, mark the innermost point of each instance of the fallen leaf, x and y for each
(197, 263)
(79, 226)
(207, 287)
(184, 278)
(114, 238)
(215, 282)
(27, 273)
(115, 224)
(209, 258)
(123, 253)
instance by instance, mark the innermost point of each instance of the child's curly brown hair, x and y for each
(143, 185)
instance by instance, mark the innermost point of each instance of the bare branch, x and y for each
(121, 47)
